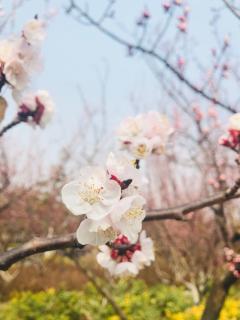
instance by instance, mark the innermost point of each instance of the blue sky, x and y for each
(77, 56)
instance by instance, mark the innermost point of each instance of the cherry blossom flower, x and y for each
(33, 32)
(182, 26)
(141, 148)
(157, 129)
(93, 194)
(6, 50)
(123, 171)
(95, 232)
(36, 108)
(145, 134)
(15, 74)
(166, 6)
(127, 216)
(234, 122)
(232, 138)
(124, 258)
(20, 56)
(130, 129)
(29, 56)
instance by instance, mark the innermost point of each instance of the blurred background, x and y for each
(104, 61)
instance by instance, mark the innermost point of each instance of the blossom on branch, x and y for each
(232, 138)
(123, 171)
(20, 56)
(34, 32)
(92, 194)
(36, 108)
(96, 232)
(124, 258)
(144, 134)
(127, 216)
(109, 198)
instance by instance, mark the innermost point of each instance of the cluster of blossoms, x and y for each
(232, 138)
(144, 134)
(36, 108)
(182, 24)
(110, 198)
(125, 258)
(183, 20)
(233, 262)
(20, 59)
(168, 4)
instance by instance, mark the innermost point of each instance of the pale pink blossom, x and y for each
(234, 122)
(123, 171)
(34, 32)
(37, 108)
(92, 194)
(145, 134)
(127, 216)
(95, 232)
(16, 74)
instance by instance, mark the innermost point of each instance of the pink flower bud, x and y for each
(181, 63)
(182, 26)
(146, 14)
(166, 6)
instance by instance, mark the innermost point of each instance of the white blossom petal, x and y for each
(100, 237)
(72, 200)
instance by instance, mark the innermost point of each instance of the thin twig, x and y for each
(9, 126)
(39, 245)
(148, 52)
(232, 9)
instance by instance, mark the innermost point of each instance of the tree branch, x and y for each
(232, 9)
(152, 53)
(35, 246)
(39, 245)
(178, 213)
(10, 126)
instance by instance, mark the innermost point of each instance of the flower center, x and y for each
(141, 150)
(91, 193)
(135, 129)
(110, 233)
(123, 250)
(134, 212)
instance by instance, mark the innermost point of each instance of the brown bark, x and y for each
(39, 245)
(217, 296)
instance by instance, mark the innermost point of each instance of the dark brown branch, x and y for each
(35, 246)
(10, 126)
(217, 296)
(148, 52)
(178, 213)
(39, 245)
(232, 9)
